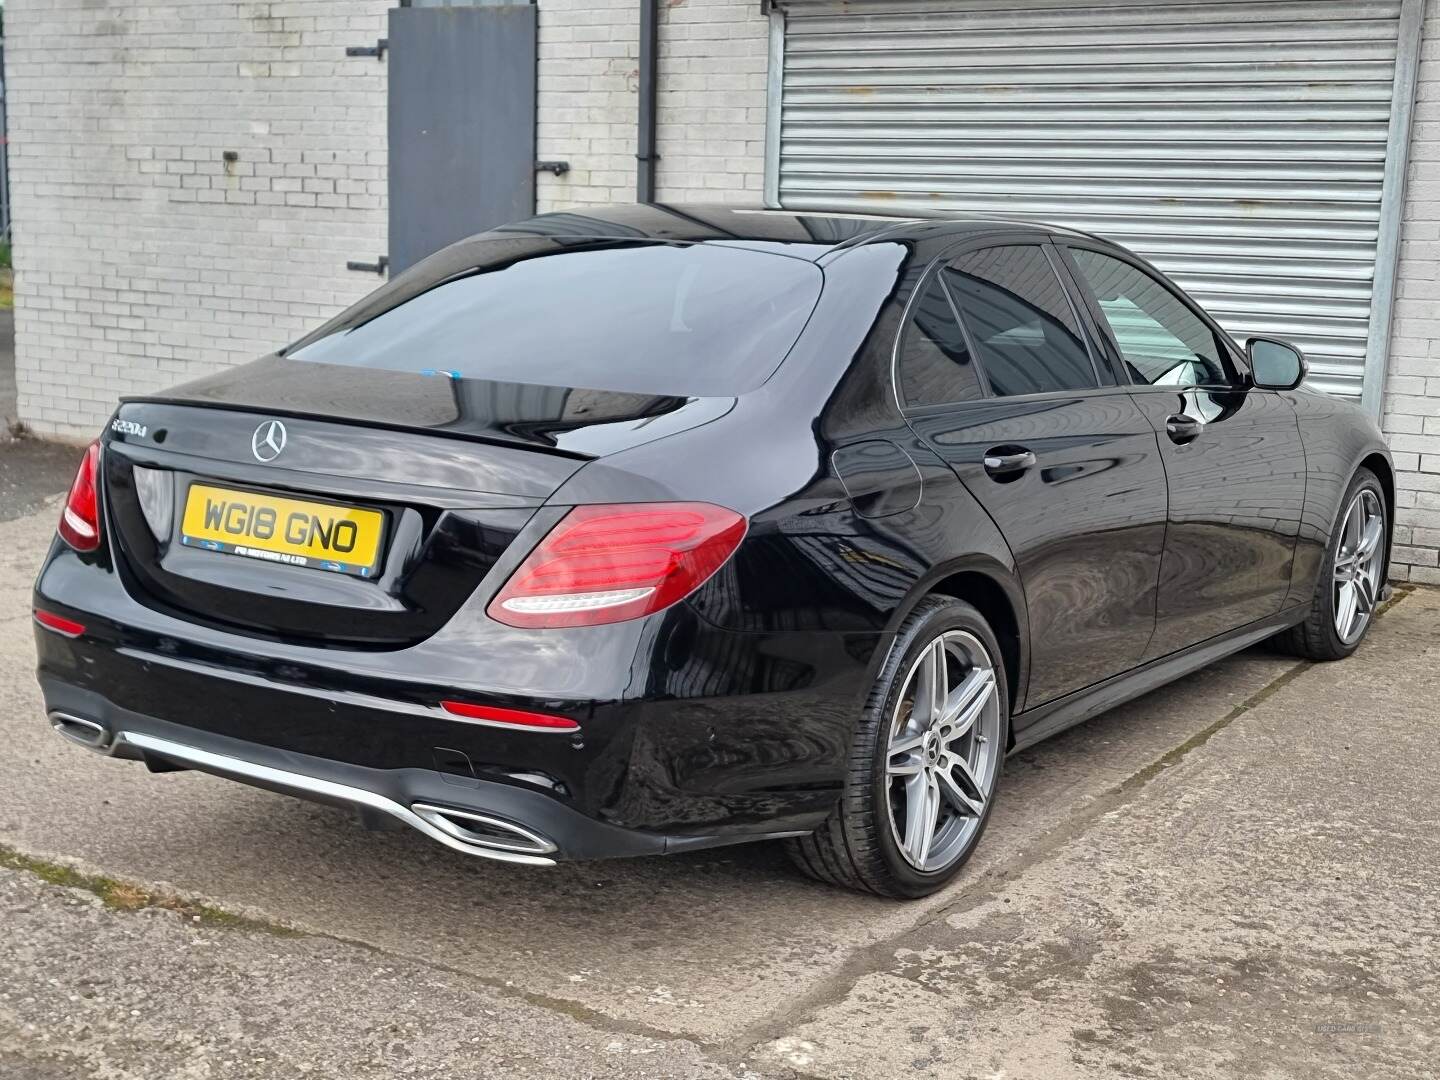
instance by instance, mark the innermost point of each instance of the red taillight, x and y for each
(605, 564)
(492, 714)
(80, 520)
(58, 623)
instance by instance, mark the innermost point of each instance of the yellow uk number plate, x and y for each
(323, 536)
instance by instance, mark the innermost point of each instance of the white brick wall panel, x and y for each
(126, 214)
(711, 102)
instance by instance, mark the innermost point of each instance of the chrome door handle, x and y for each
(1008, 462)
(1183, 429)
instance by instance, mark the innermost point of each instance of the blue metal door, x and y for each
(461, 124)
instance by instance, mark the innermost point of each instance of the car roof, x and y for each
(806, 233)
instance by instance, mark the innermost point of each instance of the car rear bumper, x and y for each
(690, 735)
(488, 819)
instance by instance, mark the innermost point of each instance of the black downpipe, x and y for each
(645, 156)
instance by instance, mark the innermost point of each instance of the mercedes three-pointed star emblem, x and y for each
(268, 440)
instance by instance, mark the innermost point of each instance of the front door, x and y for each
(1066, 466)
(1232, 455)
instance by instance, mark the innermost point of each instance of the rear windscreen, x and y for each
(648, 318)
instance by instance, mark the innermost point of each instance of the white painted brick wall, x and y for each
(1412, 392)
(586, 101)
(713, 59)
(141, 256)
(710, 107)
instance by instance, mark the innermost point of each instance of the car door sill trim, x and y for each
(1034, 725)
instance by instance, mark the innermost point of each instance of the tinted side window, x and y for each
(935, 362)
(1021, 321)
(1162, 342)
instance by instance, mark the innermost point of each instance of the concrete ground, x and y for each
(30, 470)
(1235, 876)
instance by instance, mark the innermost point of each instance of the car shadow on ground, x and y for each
(311, 865)
(32, 471)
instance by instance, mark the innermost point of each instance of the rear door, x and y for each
(995, 373)
(1232, 453)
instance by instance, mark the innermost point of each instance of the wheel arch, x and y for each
(995, 604)
(993, 590)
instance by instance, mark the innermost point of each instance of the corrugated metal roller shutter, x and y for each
(1240, 146)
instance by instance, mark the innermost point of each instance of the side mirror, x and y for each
(1275, 364)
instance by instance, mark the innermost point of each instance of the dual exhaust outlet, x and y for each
(469, 831)
(88, 733)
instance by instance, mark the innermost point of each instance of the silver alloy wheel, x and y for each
(944, 750)
(1357, 565)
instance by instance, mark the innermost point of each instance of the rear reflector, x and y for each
(492, 714)
(58, 623)
(606, 564)
(80, 520)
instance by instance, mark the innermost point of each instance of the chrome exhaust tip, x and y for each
(90, 734)
(484, 831)
(460, 830)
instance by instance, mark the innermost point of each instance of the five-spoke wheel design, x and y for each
(944, 747)
(1358, 565)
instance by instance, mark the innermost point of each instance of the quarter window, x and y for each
(1162, 341)
(1020, 321)
(935, 363)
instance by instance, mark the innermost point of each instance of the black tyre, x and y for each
(1351, 577)
(926, 762)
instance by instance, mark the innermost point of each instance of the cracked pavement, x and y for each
(1231, 877)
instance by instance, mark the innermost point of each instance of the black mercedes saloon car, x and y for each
(655, 528)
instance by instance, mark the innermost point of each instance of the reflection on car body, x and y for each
(660, 528)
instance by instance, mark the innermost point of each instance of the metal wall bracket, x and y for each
(377, 267)
(558, 168)
(377, 50)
